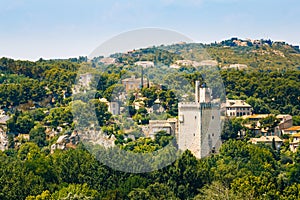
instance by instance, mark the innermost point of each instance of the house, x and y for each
(284, 122)
(3, 119)
(174, 66)
(237, 108)
(291, 130)
(83, 83)
(66, 141)
(134, 83)
(236, 66)
(3, 140)
(108, 60)
(138, 104)
(268, 140)
(295, 142)
(157, 107)
(113, 107)
(209, 63)
(144, 64)
(169, 126)
(187, 63)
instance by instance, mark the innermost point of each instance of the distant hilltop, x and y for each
(234, 41)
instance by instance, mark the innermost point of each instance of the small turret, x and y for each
(202, 93)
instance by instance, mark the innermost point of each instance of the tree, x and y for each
(38, 135)
(269, 123)
(101, 110)
(231, 128)
(24, 124)
(76, 191)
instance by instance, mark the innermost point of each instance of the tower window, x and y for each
(213, 117)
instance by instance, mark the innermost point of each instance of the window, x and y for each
(212, 117)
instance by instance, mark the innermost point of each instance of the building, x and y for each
(236, 66)
(3, 140)
(199, 126)
(295, 142)
(187, 63)
(66, 142)
(169, 126)
(134, 83)
(237, 108)
(108, 61)
(145, 64)
(292, 130)
(112, 107)
(83, 83)
(209, 63)
(285, 121)
(268, 140)
(3, 119)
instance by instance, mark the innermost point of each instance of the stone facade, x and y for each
(199, 124)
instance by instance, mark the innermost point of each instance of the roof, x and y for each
(266, 139)
(103, 100)
(4, 119)
(296, 135)
(236, 103)
(293, 128)
(61, 139)
(256, 116)
(145, 63)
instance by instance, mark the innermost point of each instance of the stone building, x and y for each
(199, 124)
(134, 83)
(169, 126)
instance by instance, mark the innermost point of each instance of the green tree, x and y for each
(76, 191)
(38, 135)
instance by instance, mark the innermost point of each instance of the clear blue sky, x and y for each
(30, 29)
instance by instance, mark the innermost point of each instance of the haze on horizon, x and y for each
(33, 29)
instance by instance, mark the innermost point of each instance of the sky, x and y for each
(33, 29)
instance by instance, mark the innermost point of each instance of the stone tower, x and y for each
(199, 123)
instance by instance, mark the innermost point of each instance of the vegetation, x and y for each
(38, 98)
(241, 169)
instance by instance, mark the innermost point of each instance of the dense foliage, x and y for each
(241, 169)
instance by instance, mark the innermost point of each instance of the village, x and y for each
(197, 126)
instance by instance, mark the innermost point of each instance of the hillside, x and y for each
(256, 54)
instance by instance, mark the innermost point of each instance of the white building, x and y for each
(145, 64)
(237, 108)
(199, 124)
(294, 145)
(113, 107)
